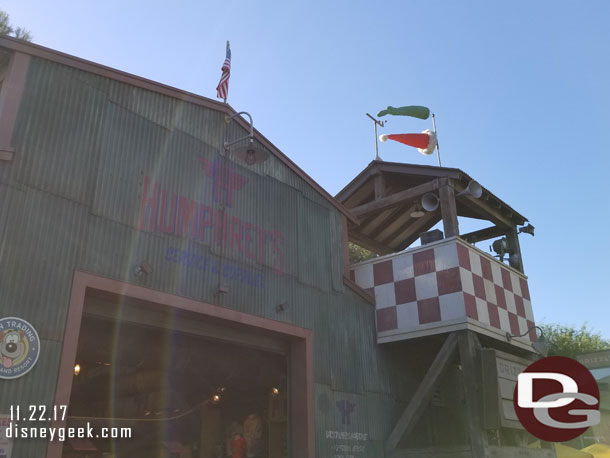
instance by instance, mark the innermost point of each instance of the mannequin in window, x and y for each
(234, 428)
(238, 446)
(253, 432)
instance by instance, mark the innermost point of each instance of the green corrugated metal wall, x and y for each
(71, 199)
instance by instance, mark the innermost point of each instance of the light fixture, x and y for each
(528, 229)
(76, 369)
(417, 212)
(275, 391)
(500, 247)
(248, 154)
(539, 345)
(142, 269)
(216, 399)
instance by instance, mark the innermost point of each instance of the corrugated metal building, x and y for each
(193, 288)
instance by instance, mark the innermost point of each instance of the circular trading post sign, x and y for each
(556, 399)
(19, 347)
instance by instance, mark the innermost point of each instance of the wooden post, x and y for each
(513, 245)
(448, 211)
(379, 183)
(468, 343)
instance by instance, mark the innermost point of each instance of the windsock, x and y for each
(424, 142)
(414, 111)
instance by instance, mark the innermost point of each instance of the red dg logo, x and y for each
(556, 399)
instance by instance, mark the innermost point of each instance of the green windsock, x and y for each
(413, 110)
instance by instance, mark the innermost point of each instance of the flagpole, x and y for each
(438, 153)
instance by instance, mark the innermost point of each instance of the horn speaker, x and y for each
(429, 202)
(473, 189)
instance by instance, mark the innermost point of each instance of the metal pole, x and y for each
(376, 145)
(438, 153)
(381, 123)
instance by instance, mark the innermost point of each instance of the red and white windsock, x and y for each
(424, 142)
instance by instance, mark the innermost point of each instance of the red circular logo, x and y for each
(556, 399)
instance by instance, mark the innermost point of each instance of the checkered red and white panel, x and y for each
(446, 282)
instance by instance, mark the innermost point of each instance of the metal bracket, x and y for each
(6, 153)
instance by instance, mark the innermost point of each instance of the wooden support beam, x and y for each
(397, 216)
(468, 343)
(484, 208)
(369, 243)
(393, 228)
(483, 234)
(485, 211)
(356, 186)
(421, 398)
(420, 170)
(448, 211)
(482, 211)
(396, 198)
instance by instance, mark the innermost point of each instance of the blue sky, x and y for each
(520, 90)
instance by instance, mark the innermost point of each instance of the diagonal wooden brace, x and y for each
(422, 396)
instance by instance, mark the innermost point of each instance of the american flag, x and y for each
(223, 86)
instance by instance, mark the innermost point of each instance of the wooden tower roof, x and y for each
(384, 194)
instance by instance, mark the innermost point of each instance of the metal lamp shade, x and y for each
(250, 155)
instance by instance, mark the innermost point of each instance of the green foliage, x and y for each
(22, 34)
(7, 29)
(570, 341)
(5, 23)
(359, 254)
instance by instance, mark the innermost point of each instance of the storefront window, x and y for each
(183, 387)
